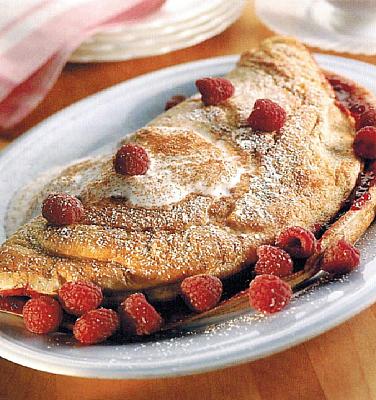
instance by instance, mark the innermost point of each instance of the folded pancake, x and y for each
(214, 192)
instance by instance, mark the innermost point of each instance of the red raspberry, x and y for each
(138, 316)
(201, 292)
(62, 209)
(368, 118)
(269, 293)
(267, 116)
(214, 90)
(131, 160)
(274, 261)
(340, 258)
(79, 297)
(174, 101)
(42, 315)
(359, 203)
(365, 143)
(297, 241)
(96, 326)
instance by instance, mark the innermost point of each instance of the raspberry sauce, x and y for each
(349, 95)
(13, 300)
(355, 100)
(12, 304)
(359, 203)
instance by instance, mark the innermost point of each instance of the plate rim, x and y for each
(237, 353)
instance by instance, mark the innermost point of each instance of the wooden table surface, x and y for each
(340, 364)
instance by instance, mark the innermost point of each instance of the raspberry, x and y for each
(368, 118)
(79, 297)
(359, 203)
(274, 261)
(340, 258)
(62, 209)
(42, 315)
(174, 101)
(365, 143)
(267, 116)
(201, 292)
(214, 90)
(297, 241)
(131, 160)
(269, 293)
(96, 326)
(138, 316)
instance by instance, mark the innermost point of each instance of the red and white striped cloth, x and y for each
(37, 38)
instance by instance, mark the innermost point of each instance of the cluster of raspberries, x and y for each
(266, 116)
(94, 324)
(268, 292)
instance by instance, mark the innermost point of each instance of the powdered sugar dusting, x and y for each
(170, 178)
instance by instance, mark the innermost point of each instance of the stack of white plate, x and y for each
(178, 24)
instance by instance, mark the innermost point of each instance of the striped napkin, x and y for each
(37, 38)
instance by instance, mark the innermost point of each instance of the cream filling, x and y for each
(168, 180)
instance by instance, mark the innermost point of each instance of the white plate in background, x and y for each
(178, 24)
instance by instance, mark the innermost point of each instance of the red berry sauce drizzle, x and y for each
(12, 305)
(349, 95)
(13, 300)
(354, 100)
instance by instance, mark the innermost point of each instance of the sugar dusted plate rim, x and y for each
(234, 340)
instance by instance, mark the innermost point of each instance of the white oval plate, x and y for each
(100, 121)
